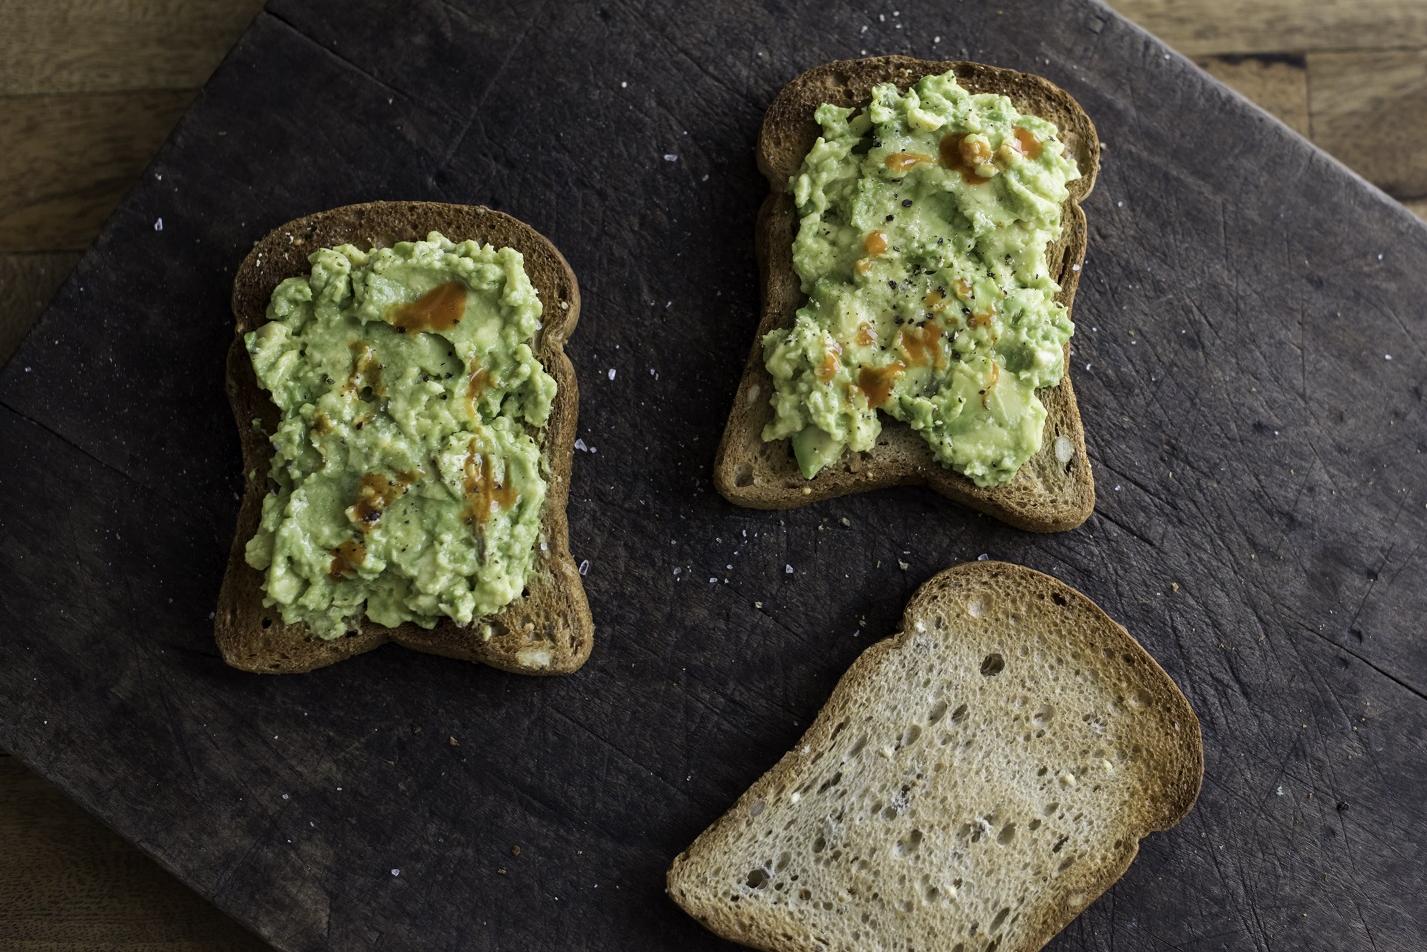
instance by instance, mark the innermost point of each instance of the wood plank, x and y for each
(1277, 84)
(106, 45)
(29, 281)
(68, 159)
(1370, 110)
(1200, 27)
(68, 883)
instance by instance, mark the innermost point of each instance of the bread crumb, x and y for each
(515, 851)
(396, 871)
(1174, 586)
(611, 373)
(452, 742)
(787, 569)
(159, 226)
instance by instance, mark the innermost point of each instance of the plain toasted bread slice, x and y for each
(548, 629)
(973, 782)
(1054, 490)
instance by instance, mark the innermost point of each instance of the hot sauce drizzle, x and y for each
(828, 367)
(483, 492)
(877, 382)
(347, 558)
(1026, 143)
(923, 345)
(375, 492)
(439, 309)
(905, 161)
(476, 386)
(953, 156)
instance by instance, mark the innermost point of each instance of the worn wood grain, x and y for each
(59, 46)
(28, 281)
(68, 158)
(1278, 84)
(1287, 629)
(1198, 27)
(1377, 127)
(67, 883)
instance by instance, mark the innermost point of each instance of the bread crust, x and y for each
(1046, 495)
(1172, 741)
(548, 629)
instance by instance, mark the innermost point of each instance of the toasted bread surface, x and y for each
(1055, 489)
(548, 629)
(973, 782)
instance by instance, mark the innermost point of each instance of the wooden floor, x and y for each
(89, 89)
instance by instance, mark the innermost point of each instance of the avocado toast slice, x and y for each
(547, 629)
(1054, 490)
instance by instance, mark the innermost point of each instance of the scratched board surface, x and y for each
(1250, 368)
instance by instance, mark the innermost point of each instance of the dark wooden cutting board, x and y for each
(1250, 365)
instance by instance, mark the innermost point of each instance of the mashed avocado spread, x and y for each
(406, 482)
(921, 248)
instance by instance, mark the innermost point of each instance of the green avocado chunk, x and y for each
(924, 221)
(406, 481)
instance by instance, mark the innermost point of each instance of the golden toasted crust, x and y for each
(548, 630)
(1077, 657)
(1047, 495)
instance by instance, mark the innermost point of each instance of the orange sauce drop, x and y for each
(375, 492)
(877, 382)
(476, 386)
(1027, 144)
(346, 558)
(865, 336)
(875, 243)
(923, 345)
(905, 161)
(953, 158)
(483, 492)
(828, 367)
(439, 309)
(991, 382)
